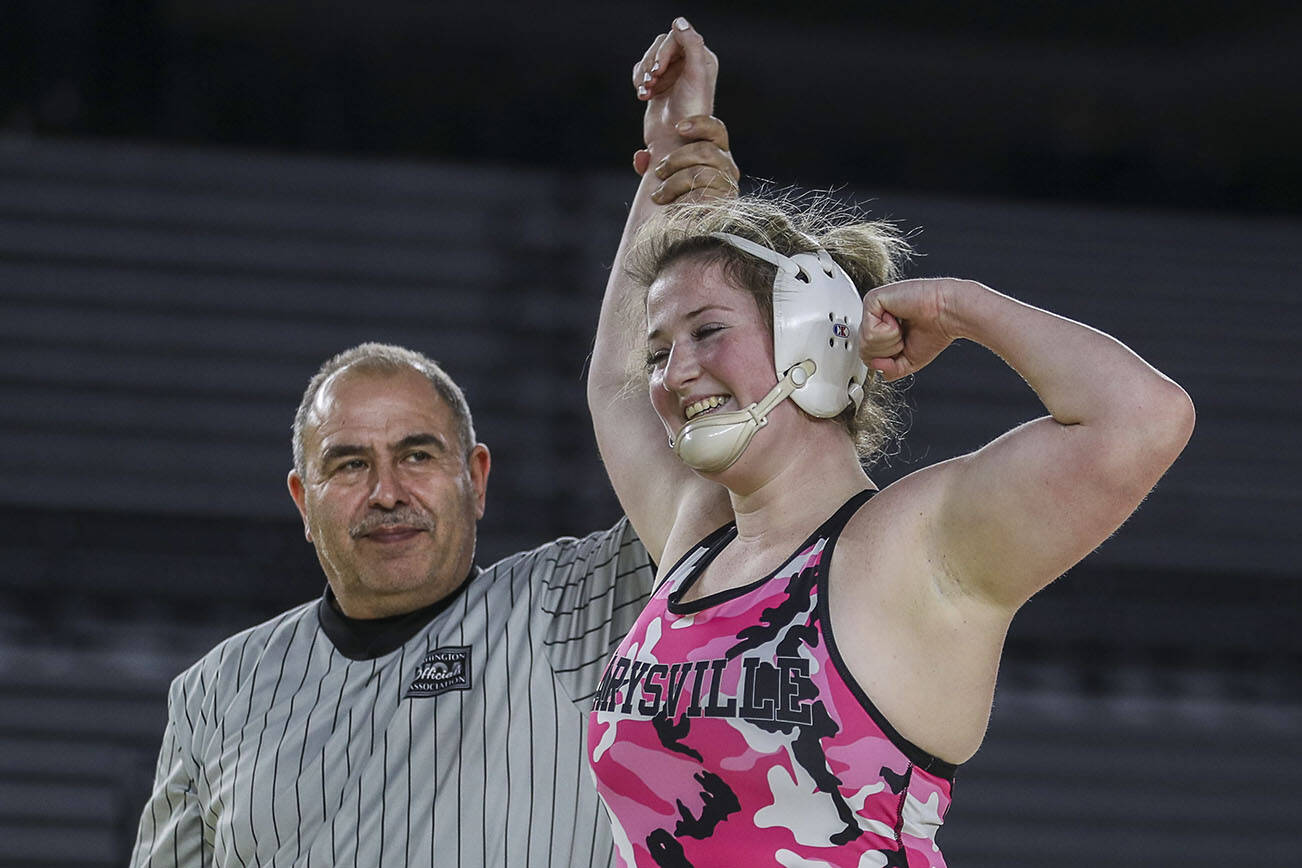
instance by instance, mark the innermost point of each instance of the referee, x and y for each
(424, 711)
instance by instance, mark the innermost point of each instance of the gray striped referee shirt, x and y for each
(453, 736)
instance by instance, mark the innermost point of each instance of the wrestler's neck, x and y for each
(780, 495)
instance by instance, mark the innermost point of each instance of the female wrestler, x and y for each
(818, 655)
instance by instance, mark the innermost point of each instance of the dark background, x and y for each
(1120, 101)
(201, 200)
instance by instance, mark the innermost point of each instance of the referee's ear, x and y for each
(296, 492)
(478, 462)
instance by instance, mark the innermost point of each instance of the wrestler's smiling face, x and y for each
(390, 496)
(708, 348)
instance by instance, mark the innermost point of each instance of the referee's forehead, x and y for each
(379, 406)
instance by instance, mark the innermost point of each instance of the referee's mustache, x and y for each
(403, 516)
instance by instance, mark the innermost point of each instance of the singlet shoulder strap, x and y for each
(706, 548)
(833, 526)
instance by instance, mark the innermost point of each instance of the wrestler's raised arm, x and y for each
(686, 158)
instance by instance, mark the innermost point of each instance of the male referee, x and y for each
(424, 711)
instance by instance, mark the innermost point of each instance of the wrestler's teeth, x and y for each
(704, 404)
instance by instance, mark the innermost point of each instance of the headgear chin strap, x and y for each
(816, 316)
(712, 443)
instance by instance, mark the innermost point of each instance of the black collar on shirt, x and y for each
(368, 638)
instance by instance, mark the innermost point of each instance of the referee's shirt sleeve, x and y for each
(171, 825)
(592, 596)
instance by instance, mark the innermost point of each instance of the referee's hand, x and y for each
(701, 169)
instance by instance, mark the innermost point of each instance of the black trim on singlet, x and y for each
(707, 541)
(369, 638)
(716, 542)
(916, 755)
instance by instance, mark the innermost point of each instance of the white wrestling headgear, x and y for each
(816, 316)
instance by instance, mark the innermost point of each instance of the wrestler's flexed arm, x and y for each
(1012, 516)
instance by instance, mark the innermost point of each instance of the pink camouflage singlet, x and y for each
(727, 731)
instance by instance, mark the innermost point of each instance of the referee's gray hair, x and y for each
(384, 359)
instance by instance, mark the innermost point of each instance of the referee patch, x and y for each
(443, 669)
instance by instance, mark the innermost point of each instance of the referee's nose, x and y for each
(388, 490)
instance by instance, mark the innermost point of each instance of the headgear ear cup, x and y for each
(814, 319)
(816, 316)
